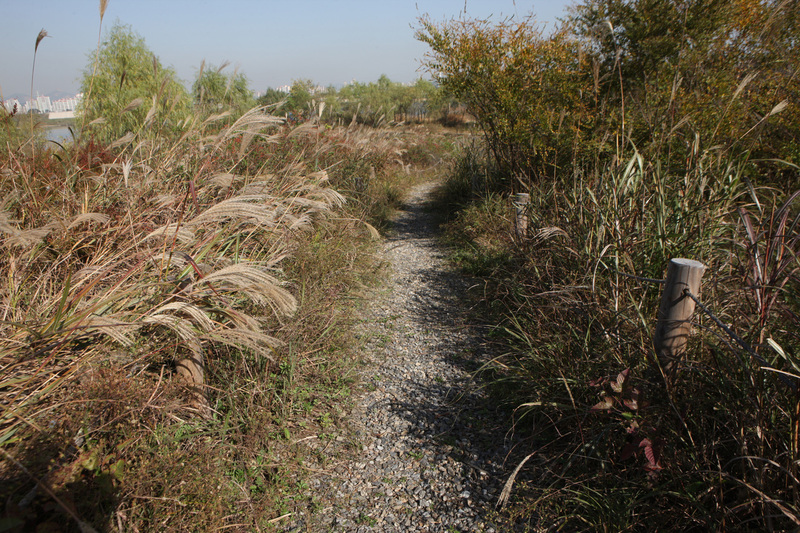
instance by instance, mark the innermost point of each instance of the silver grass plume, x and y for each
(253, 282)
(175, 231)
(180, 326)
(197, 315)
(118, 331)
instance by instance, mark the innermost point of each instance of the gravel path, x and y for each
(432, 446)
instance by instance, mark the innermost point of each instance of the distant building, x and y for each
(67, 104)
(11, 105)
(43, 104)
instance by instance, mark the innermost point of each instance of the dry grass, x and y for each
(618, 449)
(226, 245)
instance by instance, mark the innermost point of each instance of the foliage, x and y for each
(10, 127)
(673, 115)
(384, 100)
(215, 92)
(571, 315)
(300, 100)
(270, 97)
(228, 245)
(373, 103)
(524, 88)
(711, 68)
(130, 89)
(658, 74)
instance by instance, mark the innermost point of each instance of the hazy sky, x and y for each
(271, 41)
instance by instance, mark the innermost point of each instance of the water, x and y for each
(59, 135)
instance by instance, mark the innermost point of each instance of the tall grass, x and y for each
(576, 305)
(633, 182)
(222, 256)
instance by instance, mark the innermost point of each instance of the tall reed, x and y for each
(125, 262)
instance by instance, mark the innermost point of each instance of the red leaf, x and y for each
(651, 454)
(597, 382)
(619, 384)
(604, 405)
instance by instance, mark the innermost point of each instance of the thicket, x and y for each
(374, 104)
(216, 92)
(127, 89)
(176, 300)
(642, 131)
(659, 76)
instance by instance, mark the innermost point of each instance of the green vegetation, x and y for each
(642, 131)
(128, 90)
(177, 299)
(374, 104)
(214, 91)
(177, 282)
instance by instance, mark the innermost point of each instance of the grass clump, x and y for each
(634, 150)
(614, 444)
(178, 295)
(176, 315)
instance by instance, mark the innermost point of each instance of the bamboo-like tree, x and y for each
(130, 89)
(214, 91)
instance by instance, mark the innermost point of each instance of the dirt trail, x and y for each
(432, 446)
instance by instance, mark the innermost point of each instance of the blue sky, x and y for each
(271, 41)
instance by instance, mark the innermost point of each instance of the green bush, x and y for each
(643, 131)
(525, 89)
(669, 78)
(127, 89)
(373, 104)
(216, 92)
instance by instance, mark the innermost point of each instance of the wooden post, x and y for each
(192, 371)
(675, 313)
(521, 201)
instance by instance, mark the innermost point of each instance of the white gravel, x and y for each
(431, 447)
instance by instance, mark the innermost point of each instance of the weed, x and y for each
(366, 520)
(578, 329)
(177, 311)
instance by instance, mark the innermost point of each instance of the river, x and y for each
(59, 134)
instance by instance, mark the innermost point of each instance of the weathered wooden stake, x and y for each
(192, 371)
(521, 201)
(675, 312)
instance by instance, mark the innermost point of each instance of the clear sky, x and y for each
(271, 41)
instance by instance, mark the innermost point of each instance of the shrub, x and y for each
(127, 89)
(524, 88)
(216, 92)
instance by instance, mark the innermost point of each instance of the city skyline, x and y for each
(273, 43)
(43, 104)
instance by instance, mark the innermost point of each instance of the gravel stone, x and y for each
(430, 445)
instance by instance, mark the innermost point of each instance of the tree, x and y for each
(131, 90)
(271, 97)
(525, 89)
(426, 99)
(714, 69)
(300, 99)
(214, 91)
